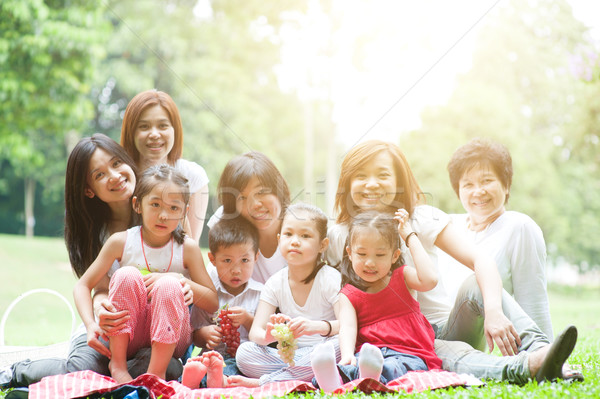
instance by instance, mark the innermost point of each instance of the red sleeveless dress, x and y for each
(392, 318)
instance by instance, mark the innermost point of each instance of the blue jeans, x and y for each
(461, 343)
(395, 364)
(82, 357)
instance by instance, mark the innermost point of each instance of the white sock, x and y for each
(322, 360)
(370, 362)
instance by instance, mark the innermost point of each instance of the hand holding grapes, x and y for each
(286, 342)
(229, 332)
(211, 336)
(274, 319)
(240, 317)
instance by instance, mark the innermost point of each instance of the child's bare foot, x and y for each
(193, 372)
(214, 362)
(241, 381)
(119, 373)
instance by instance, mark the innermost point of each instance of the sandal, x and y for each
(571, 375)
(560, 350)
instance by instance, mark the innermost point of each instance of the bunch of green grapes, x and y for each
(286, 343)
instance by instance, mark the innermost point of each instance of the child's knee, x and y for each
(127, 278)
(168, 285)
(130, 272)
(245, 353)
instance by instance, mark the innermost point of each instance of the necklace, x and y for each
(144, 252)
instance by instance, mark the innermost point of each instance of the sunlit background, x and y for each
(303, 81)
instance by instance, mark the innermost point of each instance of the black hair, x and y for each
(240, 170)
(481, 153)
(163, 173)
(386, 226)
(86, 218)
(228, 232)
(320, 219)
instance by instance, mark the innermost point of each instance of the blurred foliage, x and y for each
(217, 66)
(47, 59)
(219, 69)
(524, 91)
(69, 68)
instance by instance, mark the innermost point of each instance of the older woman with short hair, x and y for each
(481, 175)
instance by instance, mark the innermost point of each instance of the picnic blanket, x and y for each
(86, 383)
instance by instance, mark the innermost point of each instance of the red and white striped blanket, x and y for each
(83, 383)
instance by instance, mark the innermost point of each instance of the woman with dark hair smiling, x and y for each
(99, 182)
(152, 134)
(252, 187)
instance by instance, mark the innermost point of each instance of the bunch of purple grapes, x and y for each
(231, 335)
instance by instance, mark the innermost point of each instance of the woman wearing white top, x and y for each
(481, 175)
(252, 187)
(152, 134)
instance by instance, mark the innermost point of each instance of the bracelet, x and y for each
(408, 237)
(328, 332)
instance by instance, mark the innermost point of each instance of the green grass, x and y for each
(29, 264)
(43, 263)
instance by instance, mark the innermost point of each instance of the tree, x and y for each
(48, 52)
(521, 92)
(219, 67)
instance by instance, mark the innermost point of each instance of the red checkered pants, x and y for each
(165, 318)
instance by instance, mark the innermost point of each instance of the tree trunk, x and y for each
(29, 201)
(309, 150)
(331, 180)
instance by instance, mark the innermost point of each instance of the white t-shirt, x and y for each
(266, 267)
(247, 299)
(319, 305)
(517, 245)
(196, 175)
(427, 222)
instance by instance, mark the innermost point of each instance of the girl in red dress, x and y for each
(379, 316)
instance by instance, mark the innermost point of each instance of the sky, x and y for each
(414, 54)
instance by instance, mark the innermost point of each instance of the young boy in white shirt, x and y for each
(233, 246)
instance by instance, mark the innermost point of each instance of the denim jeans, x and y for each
(395, 364)
(82, 357)
(461, 343)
